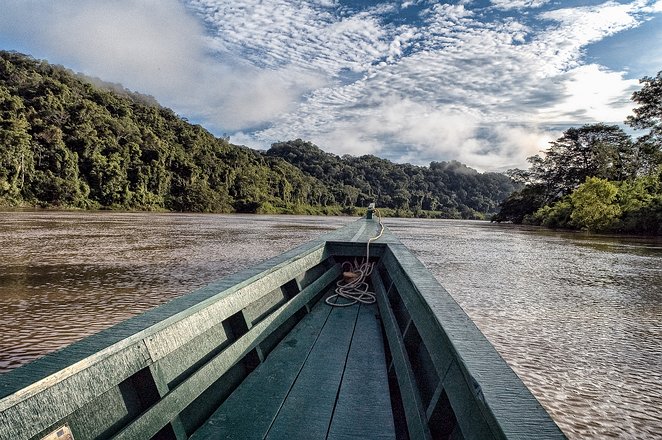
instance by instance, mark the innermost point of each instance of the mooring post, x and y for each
(371, 210)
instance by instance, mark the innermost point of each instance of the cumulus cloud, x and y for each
(518, 4)
(160, 48)
(455, 87)
(415, 81)
(592, 93)
(475, 91)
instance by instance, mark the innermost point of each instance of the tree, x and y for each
(15, 152)
(558, 215)
(405, 187)
(69, 140)
(641, 203)
(521, 204)
(594, 205)
(575, 181)
(594, 150)
(648, 115)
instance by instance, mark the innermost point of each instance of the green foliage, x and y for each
(594, 205)
(66, 142)
(641, 203)
(648, 116)
(595, 150)
(448, 188)
(71, 141)
(634, 206)
(621, 190)
(521, 204)
(15, 155)
(559, 215)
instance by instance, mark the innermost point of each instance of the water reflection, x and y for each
(578, 317)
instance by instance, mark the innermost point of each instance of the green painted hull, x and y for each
(197, 366)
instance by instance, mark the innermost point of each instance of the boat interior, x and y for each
(260, 354)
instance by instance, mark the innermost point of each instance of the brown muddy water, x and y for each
(578, 317)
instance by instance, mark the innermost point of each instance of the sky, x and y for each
(486, 82)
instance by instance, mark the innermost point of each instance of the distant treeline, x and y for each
(449, 189)
(597, 177)
(74, 142)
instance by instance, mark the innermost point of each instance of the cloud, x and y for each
(416, 81)
(144, 42)
(592, 94)
(455, 86)
(431, 103)
(244, 97)
(160, 48)
(407, 131)
(518, 4)
(305, 34)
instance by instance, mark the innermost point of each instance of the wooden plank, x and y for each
(180, 363)
(360, 232)
(440, 348)
(409, 276)
(61, 394)
(23, 382)
(507, 406)
(414, 411)
(469, 416)
(308, 408)
(69, 388)
(41, 379)
(181, 396)
(250, 410)
(182, 328)
(86, 369)
(355, 250)
(363, 409)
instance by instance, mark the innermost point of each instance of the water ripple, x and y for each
(578, 317)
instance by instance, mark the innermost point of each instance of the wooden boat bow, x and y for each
(258, 354)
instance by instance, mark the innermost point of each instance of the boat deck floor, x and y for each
(326, 379)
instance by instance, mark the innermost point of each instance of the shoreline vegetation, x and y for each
(70, 141)
(338, 211)
(596, 177)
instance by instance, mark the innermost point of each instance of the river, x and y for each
(578, 317)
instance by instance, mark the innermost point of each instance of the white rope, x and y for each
(353, 289)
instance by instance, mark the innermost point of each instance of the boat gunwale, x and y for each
(102, 352)
(502, 398)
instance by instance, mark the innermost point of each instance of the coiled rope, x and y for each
(353, 288)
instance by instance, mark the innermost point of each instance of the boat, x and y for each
(273, 352)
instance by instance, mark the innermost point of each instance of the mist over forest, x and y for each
(74, 142)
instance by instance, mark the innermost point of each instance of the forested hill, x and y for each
(447, 187)
(69, 141)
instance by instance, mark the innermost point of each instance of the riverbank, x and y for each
(266, 208)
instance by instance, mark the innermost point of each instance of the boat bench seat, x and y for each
(326, 379)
